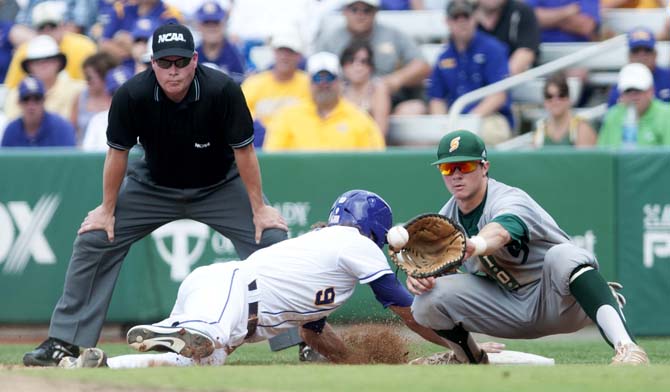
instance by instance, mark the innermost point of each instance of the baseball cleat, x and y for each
(186, 342)
(630, 354)
(50, 353)
(89, 358)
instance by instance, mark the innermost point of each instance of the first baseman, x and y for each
(294, 283)
(524, 279)
(199, 163)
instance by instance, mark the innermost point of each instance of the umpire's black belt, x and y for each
(252, 321)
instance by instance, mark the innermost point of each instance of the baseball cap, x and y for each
(460, 146)
(641, 37)
(40, 48)
(210, 11)
(635, 76)
(323, 61)
(48, 12)
(371, 3)
(459, 7)
(172, 40)
(143, 29)
(29, 87)
(116, 77)
(287, 38)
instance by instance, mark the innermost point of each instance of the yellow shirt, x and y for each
(634, 4)
(75, 47)
(299, 127)
(58, 99)
(265, 95)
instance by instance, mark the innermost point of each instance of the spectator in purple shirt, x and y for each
(567, 20)
(215, 47)
(36, 127)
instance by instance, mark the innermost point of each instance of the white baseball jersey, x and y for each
(307, 278)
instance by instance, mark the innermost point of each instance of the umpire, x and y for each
(199, 163)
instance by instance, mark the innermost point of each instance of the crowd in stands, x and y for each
(330, 86)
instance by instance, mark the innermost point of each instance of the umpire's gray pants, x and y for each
(544, 307)
(141, 208)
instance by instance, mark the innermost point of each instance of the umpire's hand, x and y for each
(267, 217)
(100, 219)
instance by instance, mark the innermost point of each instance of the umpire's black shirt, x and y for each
(187, 144)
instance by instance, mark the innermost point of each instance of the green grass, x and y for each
(581, 366)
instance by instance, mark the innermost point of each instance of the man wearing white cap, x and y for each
(326, 122)
(44, 60)
(48, 18)
(636, 85)
(285, 84)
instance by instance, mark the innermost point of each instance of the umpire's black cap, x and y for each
(172, 40)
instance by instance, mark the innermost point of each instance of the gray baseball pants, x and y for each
(141, 208)
(544, 307)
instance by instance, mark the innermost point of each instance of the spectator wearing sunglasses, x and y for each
(472, 59)
(636, 86)
(37, 127)
(360, 85)
(642, 49)
(326, 122)
(199, 163)
(398, 59)
(48, 18)
(561, 127)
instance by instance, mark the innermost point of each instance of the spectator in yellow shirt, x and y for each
(48, 19)
(326, 122)
(284, 84)
(46, 62)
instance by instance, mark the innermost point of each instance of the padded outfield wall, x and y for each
(616, 204)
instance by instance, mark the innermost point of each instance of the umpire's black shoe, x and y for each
(50, 352)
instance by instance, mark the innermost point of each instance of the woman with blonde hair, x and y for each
(561, 127)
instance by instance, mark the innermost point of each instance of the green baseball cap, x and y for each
(460, 146)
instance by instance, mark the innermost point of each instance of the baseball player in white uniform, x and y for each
(294, 283)
(524, 278)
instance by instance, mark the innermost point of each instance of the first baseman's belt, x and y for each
(252, 321)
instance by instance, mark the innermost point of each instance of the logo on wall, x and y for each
(656, 243)
(18, 246)
(182, 243)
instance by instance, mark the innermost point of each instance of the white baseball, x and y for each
(397, 237)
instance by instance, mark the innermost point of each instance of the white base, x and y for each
(507, 357)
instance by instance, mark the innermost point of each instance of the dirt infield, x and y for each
(17, 383)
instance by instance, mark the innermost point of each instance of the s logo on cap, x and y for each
(169, 37)
(455, 142)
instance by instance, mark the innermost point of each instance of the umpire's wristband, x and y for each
(480, 245)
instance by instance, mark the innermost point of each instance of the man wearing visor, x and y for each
(199, 163)
(524, 278)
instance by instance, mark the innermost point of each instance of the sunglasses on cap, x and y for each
(321, 77)
(448, 169)
(179, 63)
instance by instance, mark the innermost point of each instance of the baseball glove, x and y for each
(435, 247)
